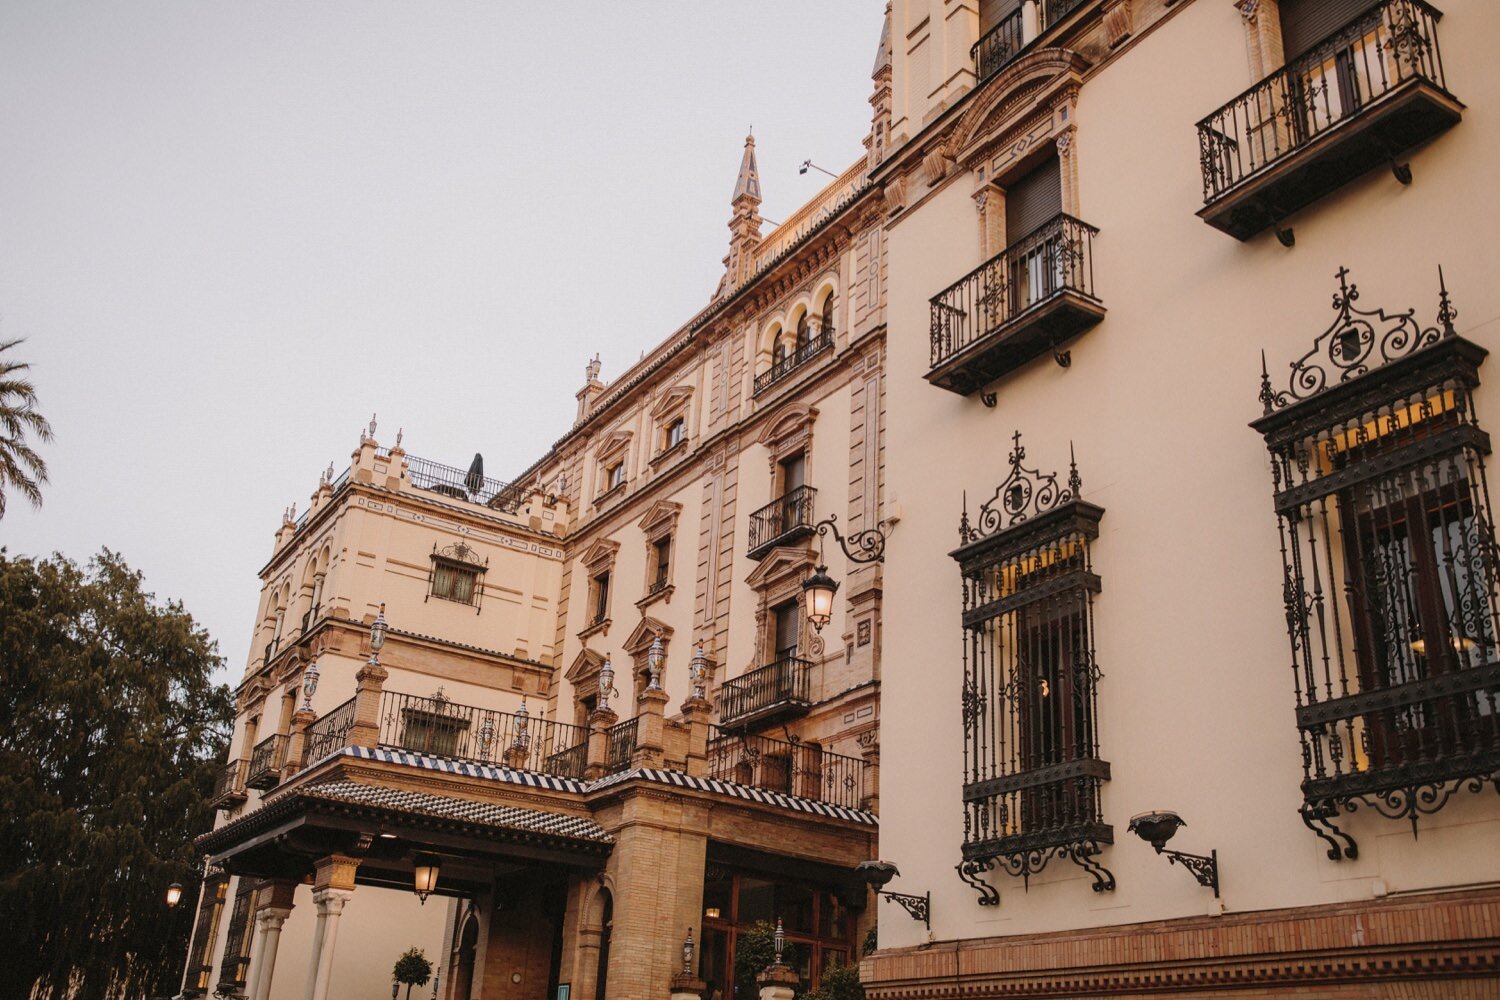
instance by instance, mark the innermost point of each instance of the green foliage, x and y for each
(21, 468)
(110, 738)
(838, 984)
(754, 949)
(871, 940)
(413, 969)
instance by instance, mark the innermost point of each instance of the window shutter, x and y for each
(992, 12)
(1033, 200)
(1305, 23)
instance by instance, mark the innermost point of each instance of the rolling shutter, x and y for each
(992, 12)
(1305, 23)
(1033, 200)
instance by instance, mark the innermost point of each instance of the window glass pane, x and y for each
(717, 896)
(832, 917)
(757, 901)
(794, 905)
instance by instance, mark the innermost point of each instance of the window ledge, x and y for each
(600, 627)
(663, 594)
(667, 453)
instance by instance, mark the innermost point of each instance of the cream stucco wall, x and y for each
(1195, 706)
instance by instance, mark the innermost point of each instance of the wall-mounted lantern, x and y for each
(1156, 828)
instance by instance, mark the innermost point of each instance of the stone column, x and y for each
(777, 982)
(600, 721)
(269, 921)
(650, 736)
(296, 746)
(697, 713)
(257, 954)
(369, 684)
(333, 884)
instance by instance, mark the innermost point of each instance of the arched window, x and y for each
(828, 316)
(778, 353)
(804, 336)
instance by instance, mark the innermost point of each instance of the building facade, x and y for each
(1182, 544)
(585, 708)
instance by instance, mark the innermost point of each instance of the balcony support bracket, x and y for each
(1284, 235)
(989, 399)
(1402, 171)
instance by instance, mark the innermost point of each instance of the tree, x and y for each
(21, 468)
(413, 969)
(110, 737)
(754, 949)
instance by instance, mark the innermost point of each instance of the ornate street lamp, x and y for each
(698, 671)
(780, 940)
(654, 658)
(867, 546)
(606, 682)
(309, 685)
(425, 875)
(1156, 828)
(174, 893)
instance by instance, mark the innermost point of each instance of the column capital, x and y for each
(273, 916)
(331, 901)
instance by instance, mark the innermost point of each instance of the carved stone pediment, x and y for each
(661, 518)
(600, 555)
(783, 563)
(585, 666)
(640, 639)
(1029, 88)
(673, 399)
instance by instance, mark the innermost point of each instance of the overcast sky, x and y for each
(231, 230)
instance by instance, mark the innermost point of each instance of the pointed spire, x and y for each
(747, 185)
(1446, 313)
(883, 53)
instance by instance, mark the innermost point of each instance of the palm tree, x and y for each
(21, 468)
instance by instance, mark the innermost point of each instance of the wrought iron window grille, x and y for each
(457, 574)
(1390, 566)
(1032, 771)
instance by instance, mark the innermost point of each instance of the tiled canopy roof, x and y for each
(459, 809)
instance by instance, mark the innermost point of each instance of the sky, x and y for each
(230, 231)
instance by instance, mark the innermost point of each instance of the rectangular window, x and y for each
(662, 553)
(236, 960)
(1389, 578)
(1032, 773)
(433, 732)
(600, 602)
(676, 432)
(209, 908)
(788, 630)
(454, 583)
(793, 472)
(615, 476)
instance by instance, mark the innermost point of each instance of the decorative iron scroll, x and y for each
(1356, 341)
(1024, 494)
(460, 552)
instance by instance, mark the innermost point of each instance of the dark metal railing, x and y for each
(799, 357)
(620, 744)
(458, 484)
(329, 733)
(658, 585)
(1000, 45)
(796, 768)
(1383, 49)
(782, 516)
(229, 783)
(787, 681)
(1056, 257)
(435, 725)
(338, 484)
(265, 762)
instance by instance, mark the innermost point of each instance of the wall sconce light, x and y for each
(868, 546)
(806, 164)
(1156, 828)
(878, 873)
(174, 893)
(425, 869)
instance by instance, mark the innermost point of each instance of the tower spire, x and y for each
(744, 224)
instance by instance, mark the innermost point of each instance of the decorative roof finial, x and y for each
(1075, 481)
(1446, 313)
(399, 432)
(1267, 394)
(591, 370)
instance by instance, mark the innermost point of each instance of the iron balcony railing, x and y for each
(796, 768)
(789, 514)
(999, 46)
(620, 744)
(785, 683)
(265, 762)
(1003, 42)
(1055, 258)
(229, 784)
(329, 733)
(460, 485)
(1389, 46)
(657, 585)
(799, 357)
(435, 725)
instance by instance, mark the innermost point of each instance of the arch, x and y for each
(605, 909)
(464, 953)
(1016, 87)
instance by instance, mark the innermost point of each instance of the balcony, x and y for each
(1369, 93)
(783, 520)
(467, 486)
(1002, 43)
(266, 759)
(1031, 298)
(802, 769)
(620, 741)
(435, 725)
(229, 786)
(799, 357)
(777, 690)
